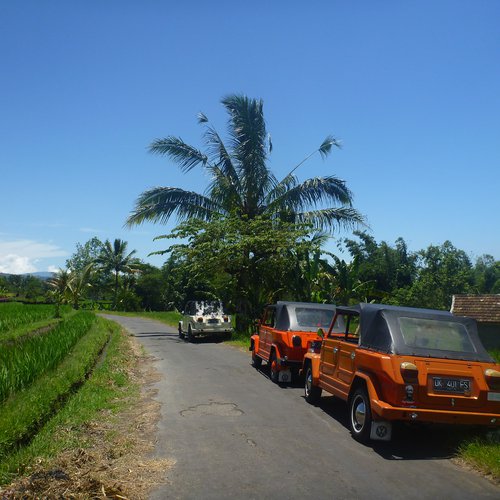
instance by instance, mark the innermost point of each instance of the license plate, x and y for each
(212, 320)
(284, 376)
(455, 385)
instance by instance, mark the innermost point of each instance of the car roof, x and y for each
(286, 318)
(380, 329)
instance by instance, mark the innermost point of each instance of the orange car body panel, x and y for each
(341, 364)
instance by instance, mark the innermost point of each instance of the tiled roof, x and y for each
(483, 308)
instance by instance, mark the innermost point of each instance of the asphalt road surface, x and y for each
(234, 434)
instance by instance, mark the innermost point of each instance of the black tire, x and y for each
(190, 336)
(312, 392)
(274, 373)
(256, 360)
(181, 333)
(360, 415)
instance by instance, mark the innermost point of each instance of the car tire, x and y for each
(360, 415)
(312, 392)
(181, 333)
(256, 360)
(274, 373)
(190, 336)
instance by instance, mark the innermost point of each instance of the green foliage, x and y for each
(114, 258)
(24, 359)
(245, 260)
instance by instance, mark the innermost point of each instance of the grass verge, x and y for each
(170, 318)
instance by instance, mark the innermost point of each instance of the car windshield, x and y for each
(317, 318)
(208, 307)
(435, 335)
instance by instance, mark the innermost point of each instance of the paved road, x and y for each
(234, 434)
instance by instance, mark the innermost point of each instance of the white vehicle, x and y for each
(202, 318)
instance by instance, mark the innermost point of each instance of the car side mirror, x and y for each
(321, 333)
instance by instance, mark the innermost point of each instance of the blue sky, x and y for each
(410, 87)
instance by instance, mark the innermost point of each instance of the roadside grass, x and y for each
(108, 388)
(170, 318)
(483, 451)
(241, 340)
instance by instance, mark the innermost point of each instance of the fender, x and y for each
(313, 359)
(276, 350)
(370, 386)
(254, 343)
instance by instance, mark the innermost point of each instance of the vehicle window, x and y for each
(207, 307)
(434, 334)
(318, 318)
(270, 317)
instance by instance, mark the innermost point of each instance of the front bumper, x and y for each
(384, 411)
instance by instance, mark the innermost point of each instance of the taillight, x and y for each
(226, 319)
(409, 372)
(492, 378)
(200, 320)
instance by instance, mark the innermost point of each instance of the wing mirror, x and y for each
(321, 333)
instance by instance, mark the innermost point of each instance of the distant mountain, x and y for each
(43, 275)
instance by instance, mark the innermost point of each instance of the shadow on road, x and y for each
(409, 442)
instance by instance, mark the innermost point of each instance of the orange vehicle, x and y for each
(394, 364)
(284, 334)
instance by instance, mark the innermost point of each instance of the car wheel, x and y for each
(181, 333)
(273, 368)
(190, 335)
(312, 392)
(256, 360)
(360, 415)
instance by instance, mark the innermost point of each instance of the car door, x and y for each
(266, 329)
(338, 354)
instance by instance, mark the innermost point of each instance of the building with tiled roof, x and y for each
(485, 309)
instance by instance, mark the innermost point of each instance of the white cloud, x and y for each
(22, 256)
(15, 264)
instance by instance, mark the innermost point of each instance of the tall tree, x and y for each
(241, 182)
(114, 258)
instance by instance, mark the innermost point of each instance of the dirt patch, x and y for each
(117, 463)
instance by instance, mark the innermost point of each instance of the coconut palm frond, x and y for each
(202, 118)
(329, 219)
(186, 156)
(158, 204)
(326, 146)
(220, 157)
(247, 129)
(281, 187)
(313, 192)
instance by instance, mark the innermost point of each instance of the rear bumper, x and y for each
(289, 363)
(207, 330)
(383, 411)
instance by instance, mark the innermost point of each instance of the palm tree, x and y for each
(241, 182)
(59, 289)
(114, 258)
